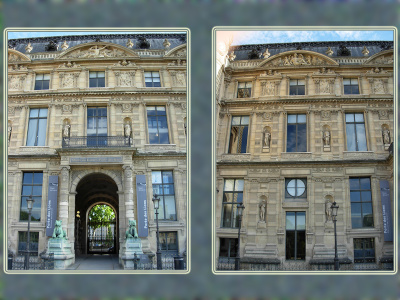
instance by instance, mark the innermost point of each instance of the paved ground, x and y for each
(96, 262)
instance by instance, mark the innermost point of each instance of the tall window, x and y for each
(163, 186)
(296, 189)
(228, 247)
(169, 241)
(244, 90)
(355, 131)
(297, 87)
(364, 250)
(239, 132)
(296, 133)
(33, 242)
(361, 203)
(31, 186)
(350, 86)
(37, 127)
(157, 124)
(152, 79)
(42, 81)
(295, 235)
(97, 126)
(97, 79)
(233, 195)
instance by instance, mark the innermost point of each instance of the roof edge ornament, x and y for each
(16, 56)
(383, 57)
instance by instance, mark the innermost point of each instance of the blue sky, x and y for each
(30, 34)
(285, 36)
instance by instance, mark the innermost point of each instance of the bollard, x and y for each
(178, 263)
(10, 262)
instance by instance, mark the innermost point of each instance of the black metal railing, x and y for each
(170, 261)
(228, 264)
(18, 262)
(96, 141)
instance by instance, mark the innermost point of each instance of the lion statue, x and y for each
(58, 232)
(132, 232)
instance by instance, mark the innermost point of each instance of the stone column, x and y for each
(21, 139)
(282, 129)
(370, 131)
(64, 196)
(128, 191)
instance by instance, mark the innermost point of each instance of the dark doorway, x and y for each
(96, 234)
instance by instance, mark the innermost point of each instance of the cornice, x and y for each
(95, 93)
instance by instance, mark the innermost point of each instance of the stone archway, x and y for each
(93, 189)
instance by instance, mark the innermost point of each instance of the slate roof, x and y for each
(156, 41)
(355, 48)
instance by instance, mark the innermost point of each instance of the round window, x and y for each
(296, 187)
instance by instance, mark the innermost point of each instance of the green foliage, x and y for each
(101, 213)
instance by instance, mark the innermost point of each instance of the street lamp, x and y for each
(240, 208)
(29, 203)
(334, 209)
(156, 203)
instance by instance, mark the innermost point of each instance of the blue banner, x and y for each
(142, 224)
(386, 211)
(51, 205)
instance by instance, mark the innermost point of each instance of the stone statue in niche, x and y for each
(262, 208)
(127, 130)
(66, 130)
(386, 136)
(328, 211)
(267, 139)
(9, 129)
(327, 138)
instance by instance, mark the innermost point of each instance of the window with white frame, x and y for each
(37, 126)
(350, 86)
(297, 87)
(232, 197)
(152, 79)
(97, 79)
(163, 186)
(355, 132)
(42, 81)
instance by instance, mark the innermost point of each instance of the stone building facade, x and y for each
(97, 112)
(298, 127)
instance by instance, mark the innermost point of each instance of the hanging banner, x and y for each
(386, 211)
(142, 224)
(52, 205)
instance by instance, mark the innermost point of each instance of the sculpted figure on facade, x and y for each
(64, 46)
(125, 79)
(262, 211)
(66, 130)
(180, 78)
(127, 130)
(15, 82)
(328, 211)
(327, 138)
(9, 130)
(267, 138)
(268, 88)
(28, 48)
(386, 136)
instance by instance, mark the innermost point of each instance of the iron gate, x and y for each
(102, 237)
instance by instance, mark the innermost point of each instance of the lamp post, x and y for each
(156, 203)
(240, 208)
(29, 203)
(334, 209)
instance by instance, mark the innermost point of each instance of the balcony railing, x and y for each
(96, 142)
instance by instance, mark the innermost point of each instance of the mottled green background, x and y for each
(200, 18)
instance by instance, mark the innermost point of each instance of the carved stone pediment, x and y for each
(16, 56)
(177, 52)
(381, 58)
(298, 58)
(97, 50)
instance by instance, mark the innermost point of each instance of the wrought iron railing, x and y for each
(149, 262)
(18, 262)
(228, 264)
(96, 141)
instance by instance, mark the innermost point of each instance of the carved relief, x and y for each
(386, 135)
(97, 51)
(9, 130)
(383, 114)
(68, 80)
(69, 65)
(125, 79)
(386, 59)
(377, 70)
(180, 53)
(125, 63)
(269, 88)
(178, 78)
(324, 86)
(17, 67)
(16, 82)
(126, 107)
(325, 115)
(298, 59)
(377, 86)
(13, 57)
(266, 137)
(66, 108)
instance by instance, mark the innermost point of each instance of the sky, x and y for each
(285, 36)
(30, 34)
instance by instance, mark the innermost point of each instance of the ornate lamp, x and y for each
(156, 203)
(240, 208)
(334, 209)
(29, 204)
